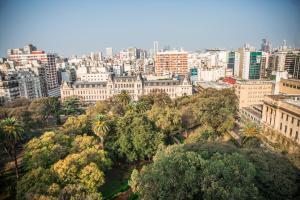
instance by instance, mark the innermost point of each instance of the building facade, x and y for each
(251, 65)
(233, 62)
(252, 92)
(211, 74)
(135, 86)
(9, 91)
(46, 59)
(29, 85)
(281, 116)
(97, 77)
(171, 62)
(289, 86)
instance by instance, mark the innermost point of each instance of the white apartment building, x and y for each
(211, 74)
(109, 52)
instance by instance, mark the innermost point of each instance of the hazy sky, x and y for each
(76, 27)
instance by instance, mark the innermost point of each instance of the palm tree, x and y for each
(249, 131)
(101, 127)
(124, 98)
(10, 133)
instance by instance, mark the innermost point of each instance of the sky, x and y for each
(70, 27)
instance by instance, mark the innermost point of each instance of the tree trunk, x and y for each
(16, 164)
(102, 142)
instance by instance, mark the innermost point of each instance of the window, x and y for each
(296, 135)
(285, 129)
(282, 115)
(292, 120)
(280, 126)
(287, 117)
(298, 124)
(291, 131)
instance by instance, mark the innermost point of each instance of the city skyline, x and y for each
(81, 27)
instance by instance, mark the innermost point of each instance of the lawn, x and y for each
(116, 181)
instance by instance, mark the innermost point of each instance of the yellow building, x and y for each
(281, 115)
(252, 92)
(289, 86)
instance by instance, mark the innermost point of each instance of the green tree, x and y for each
(137, 137)
(202, 135)
(187, 172)
(46, 150)
(11, 133)
(35, 183)
(174, 174)
(83, 142)
(276, 177)
(167, 118)
(77, 125)
(91, 177)
(72, 106)
(78, 192)
(229, 177)
(44, 108)
(69, 170)
(160, 98)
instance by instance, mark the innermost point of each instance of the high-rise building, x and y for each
(264, 65)
(291, 64)
(251, 67)
(109, 52)
(155, 47)
(96, 56)
(233, 62)
(296, 73)
(265, 46)
(171, 62)
(29, 85)
(244, 58)
(48, 62)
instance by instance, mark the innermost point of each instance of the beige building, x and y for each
(281, 115)
(135, 86)
(252, 92)
(171, 62)
(289, 86)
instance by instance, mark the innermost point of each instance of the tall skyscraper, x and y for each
(296, 73)
(233, 62)
(265, 46)
(155, 47)
(109, 52)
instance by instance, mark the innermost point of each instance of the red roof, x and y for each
(37, 52)
(229, 80)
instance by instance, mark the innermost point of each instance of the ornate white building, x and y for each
(135, 86)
